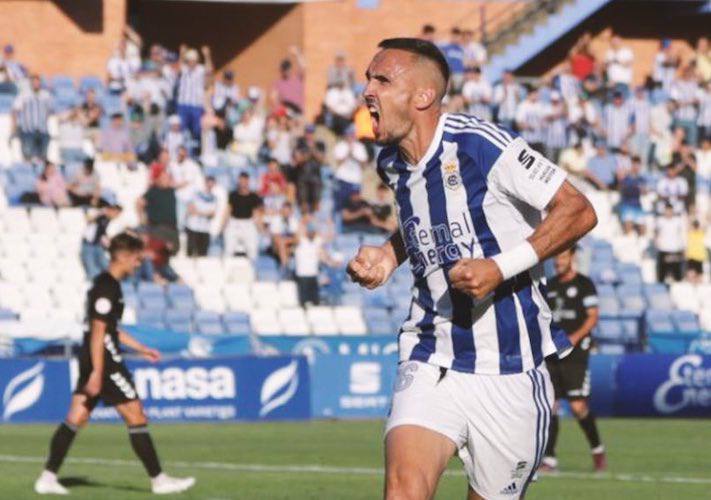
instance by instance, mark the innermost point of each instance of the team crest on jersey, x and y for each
(572, 292)
(452, 178)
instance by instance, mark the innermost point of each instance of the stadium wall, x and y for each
(68, 37)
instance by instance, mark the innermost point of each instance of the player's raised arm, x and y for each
(373, 265)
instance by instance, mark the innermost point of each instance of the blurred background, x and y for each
(233, 136)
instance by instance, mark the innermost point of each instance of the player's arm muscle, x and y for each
(570, 216)
(585, 329)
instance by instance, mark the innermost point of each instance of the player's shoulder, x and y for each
(105, 283)
(585, 281)
(474, 134)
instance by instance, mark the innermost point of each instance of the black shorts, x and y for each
(117, 386)
(570, 375)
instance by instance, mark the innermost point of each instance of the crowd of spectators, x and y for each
(648, 144)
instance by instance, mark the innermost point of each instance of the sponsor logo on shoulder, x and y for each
(526, 158)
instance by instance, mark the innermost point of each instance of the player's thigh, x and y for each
(508, 418)
(415, 458)
(132, 412)
(575, 379)
(424, 429)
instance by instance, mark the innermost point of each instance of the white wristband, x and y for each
(520, 258)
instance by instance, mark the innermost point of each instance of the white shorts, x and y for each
(499, 423)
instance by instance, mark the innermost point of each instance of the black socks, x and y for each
(589, 427)
(142, 445)
(59, 446)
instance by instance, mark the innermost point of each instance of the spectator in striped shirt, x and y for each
(617, 122)
(192, 80)
(31, 110)
(507, 96)
(666, 63)
(641, 108)
(530, 117)
(15, 70)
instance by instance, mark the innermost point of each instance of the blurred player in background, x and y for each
(103, 375)
(573, 299)
(470, 196)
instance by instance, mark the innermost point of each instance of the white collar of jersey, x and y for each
(434, 145)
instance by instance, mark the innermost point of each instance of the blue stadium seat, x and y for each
(7, 314)
(62, 81)
(380, 327)
(630, 329)
(685, 321)
(150, 316)
(377, 314)
(91, 82)
(146, 289)
(178, 316)
(658, 321)
(626, 289)
(238, 328)
(609, 306)
(609, 330)
(661, 302)
(378, 298)
(352, 298)
(611, 349)
(186, 302)
(272, 275)
(179, 326)
(178, 289)
(633, 305)
(605, 290)
(651, 289)
(235, 317)
(210, 328)
(206, 317)
(153, 302)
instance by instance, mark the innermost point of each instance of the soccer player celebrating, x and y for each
(469, 194)
(102, 374)
(573, 300)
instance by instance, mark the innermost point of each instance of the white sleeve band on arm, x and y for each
(520, 258)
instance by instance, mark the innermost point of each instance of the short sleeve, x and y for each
(589, 295)
(103, 302)
(526, 175)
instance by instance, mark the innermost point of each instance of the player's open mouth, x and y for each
(374, 117)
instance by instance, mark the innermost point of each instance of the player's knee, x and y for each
(579, 408)
(404, 483)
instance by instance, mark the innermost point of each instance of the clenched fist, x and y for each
(476, 277)
(371, 267)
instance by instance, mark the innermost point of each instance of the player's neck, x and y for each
(114, 270)
(415, 145)
(568, 276)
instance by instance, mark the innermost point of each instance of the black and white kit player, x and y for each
(103, 375)
(573, 300)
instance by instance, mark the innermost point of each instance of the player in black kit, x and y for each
(573, 300)
(103, 375)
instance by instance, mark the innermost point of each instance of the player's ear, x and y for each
(424, 97)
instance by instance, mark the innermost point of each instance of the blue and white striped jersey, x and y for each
(478, 191)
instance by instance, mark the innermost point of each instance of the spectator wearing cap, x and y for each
(31, 111)
(16, 71)
(685, 93)
(339, 73)
(176, 137)
(507, 95)
(617, 122)
(115, 143)
(670, 243)
(51, 188)
(248, 134)
(477, 93)
(666, 63)
(95, 240)
(454, 53)
(187, 179)
(309, 157)
(245, 220)
(201, 210)
(350, 157)
(85, 187)
(192, 80)
(340, 103)
(157, 208)
(602, 168)
(226, 91)
(619, 60)
(288, 90)
(632, 186)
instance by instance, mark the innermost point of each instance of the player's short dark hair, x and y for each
(125, 242)
(421, 48)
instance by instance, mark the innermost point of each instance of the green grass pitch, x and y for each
(649, 459)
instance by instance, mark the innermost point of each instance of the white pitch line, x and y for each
(360, 471)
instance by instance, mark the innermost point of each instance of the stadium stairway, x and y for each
(542, 35)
